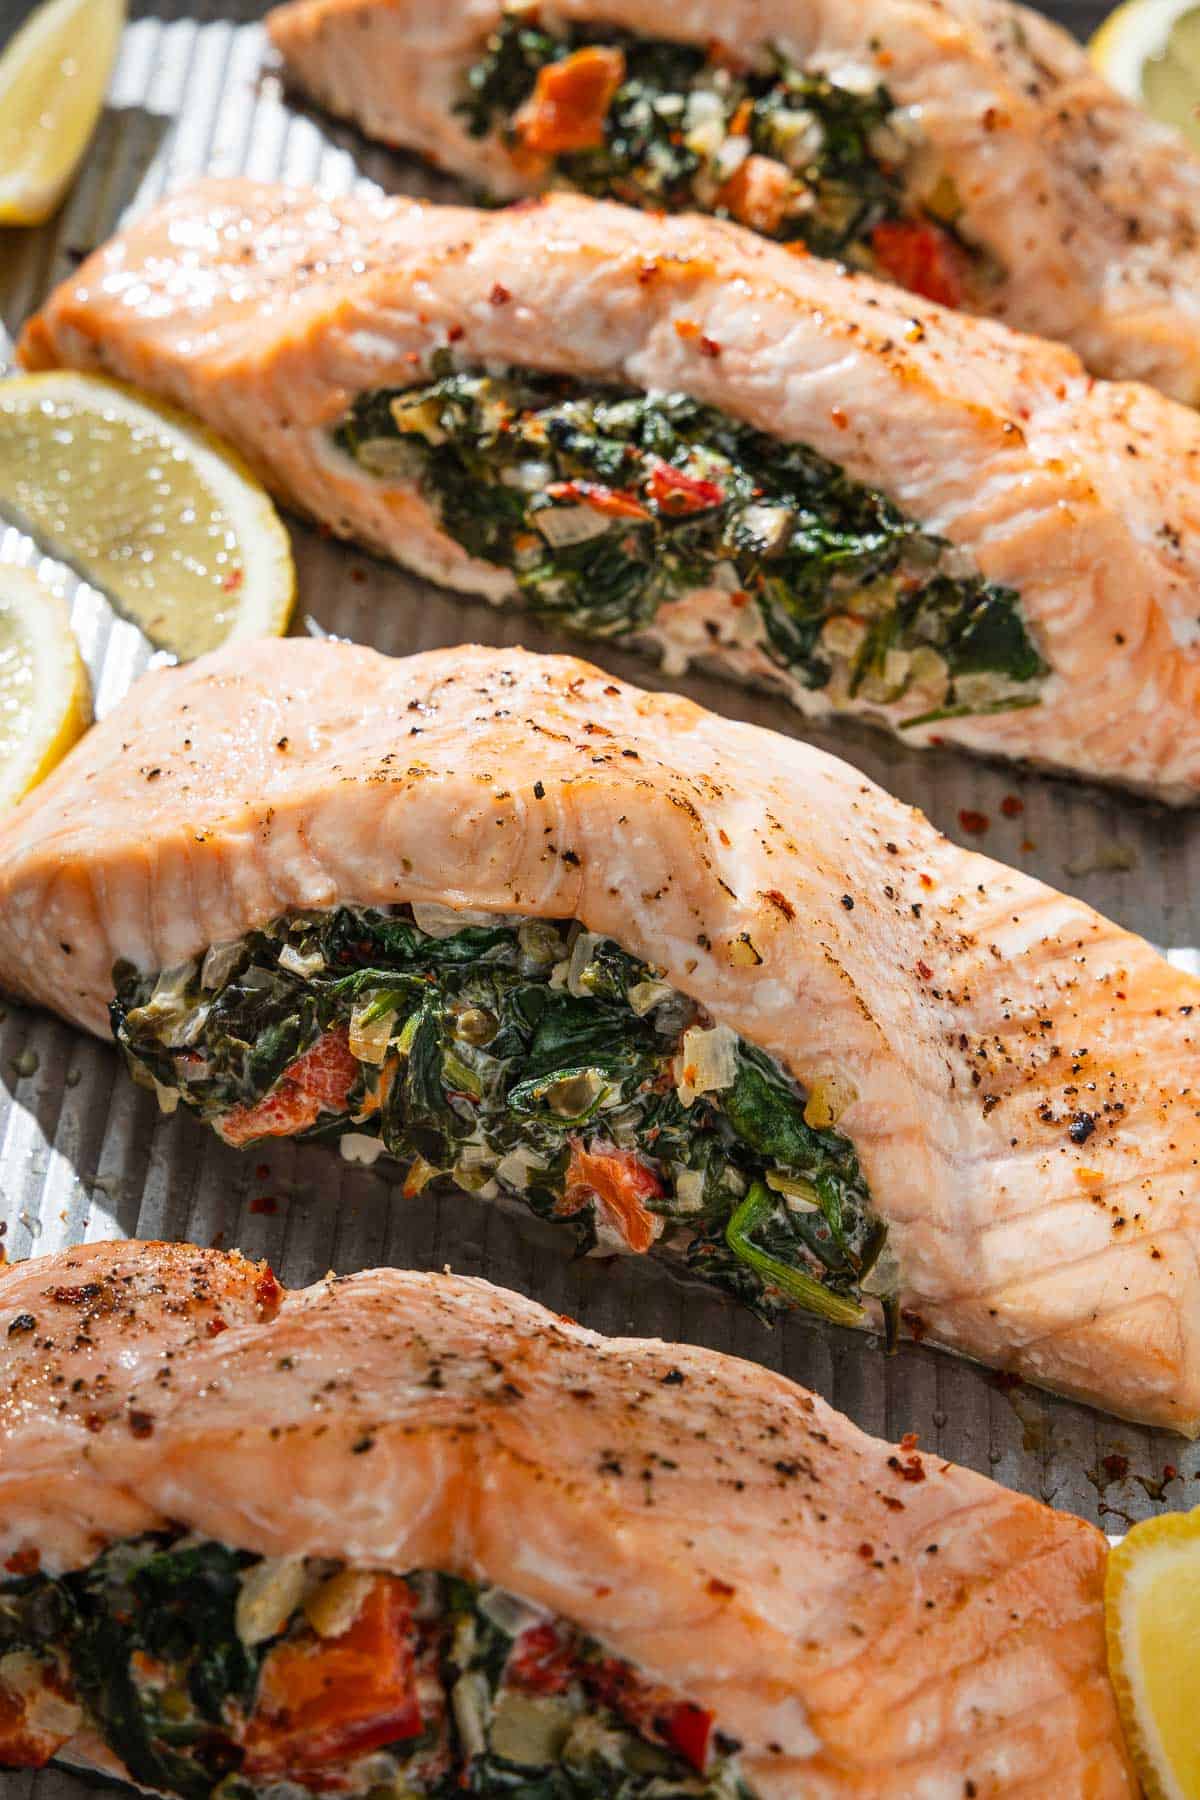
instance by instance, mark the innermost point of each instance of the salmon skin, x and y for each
(702, 443)
(806, 1610)
(964, 148)
(846, 1022)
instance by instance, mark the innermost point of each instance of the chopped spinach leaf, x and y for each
(684, 119)
(497, 1698)
(526, 1059)
(606, 505)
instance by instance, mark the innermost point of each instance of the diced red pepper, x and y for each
(757, 193)
(621, 1182)
(319, 1081)
(327, 1700)
(540, 1661)
(570, 102)
(22, 1745)
(615, 503)
(688, 1730)
(675, 491)
(920, 256)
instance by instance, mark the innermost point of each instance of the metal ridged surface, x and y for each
(85, 1155)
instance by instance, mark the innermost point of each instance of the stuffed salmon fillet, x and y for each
(667, 429)
(963, 148)
(411, 1534)
(672, 982)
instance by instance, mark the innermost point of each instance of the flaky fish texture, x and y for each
(267, 311)
(861, 1630)
(1089, 210)
(1025, 1071)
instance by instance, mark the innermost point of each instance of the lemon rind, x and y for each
(267, 597)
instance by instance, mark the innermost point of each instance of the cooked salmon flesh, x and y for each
(673, 982)
(408, 1533)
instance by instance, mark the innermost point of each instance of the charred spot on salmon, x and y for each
(214, 1674)
(606, 505)
(832, 165)
(526, 1059)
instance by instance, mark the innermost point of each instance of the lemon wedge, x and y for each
(1152, 1599)
(45, 695)
(1150, 51)
(147, 506)
(53, 77)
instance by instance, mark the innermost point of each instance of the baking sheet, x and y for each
(85, 1155)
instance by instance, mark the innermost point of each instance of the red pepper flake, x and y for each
(676, 492)
(1170, 1472)
(77, 1296)
(910, 1469)
(455, 333)
(839, 417)
(499, 295)
(24, 1562)
(720, 1590)
(614, 503)
(264, 1203)
(974, 822)
(646, 273)
(1012, 806)
(233, 581)
(709, 347)
(867, 1552)
(216, 1326)
(687, 329)
(268, 1293)
(909, 1441)
(924, 971)
(891, 1502)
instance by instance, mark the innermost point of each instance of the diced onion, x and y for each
(769, 526)
(167, 1097)
(842, 635)
(707, 1062)
(296, 964)
(369, 1038)
(689, 1190)
(220, 960)
(359, 1147)
(540, 941)
(644, 996)
(514, 1169)
(828, 1099)
(392, 459)
(270, 1593)
(506, 1612)
(730, 157)
(470, 1699)
(581, 955)
(438, 921)
(336, 1604)
(564, 525)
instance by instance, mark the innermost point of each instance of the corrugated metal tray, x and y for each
(84, 1154)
